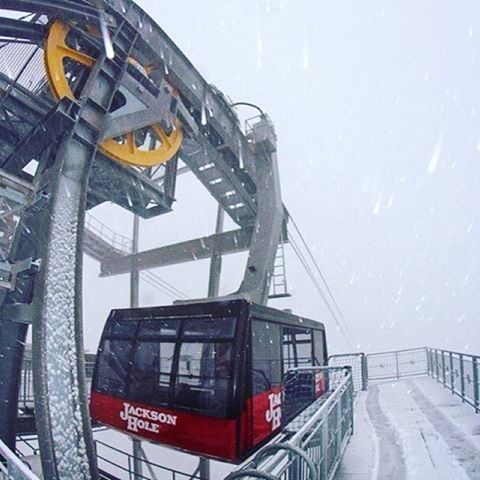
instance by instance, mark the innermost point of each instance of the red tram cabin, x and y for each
(214, 379)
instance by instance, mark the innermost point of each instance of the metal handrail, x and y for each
(397, 351)
(15, 468)
(281, 460)
(471, 355)
(116, 240)
(358, 362)
(397, 363)
(460, 372)
(130, 458)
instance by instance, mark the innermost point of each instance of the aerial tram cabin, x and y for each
(215, 379)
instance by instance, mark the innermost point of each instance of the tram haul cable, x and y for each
(328, 297)
(320, 273)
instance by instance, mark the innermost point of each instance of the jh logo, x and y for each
(274, 413)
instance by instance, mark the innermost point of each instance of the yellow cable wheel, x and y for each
(66, 62)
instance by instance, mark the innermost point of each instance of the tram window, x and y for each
(288, 351)
(303, 339)
(113, 367)
(155, 327)
(297, 347)
(121, 327)
(212, 328)
(266, 367)
(151, 372)
(319, 347)
(203, 377)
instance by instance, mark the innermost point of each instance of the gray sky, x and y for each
(377, 110)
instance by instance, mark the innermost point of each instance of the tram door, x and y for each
(301, 387)
(266, 379)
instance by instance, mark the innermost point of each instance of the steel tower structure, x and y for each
(98, 104)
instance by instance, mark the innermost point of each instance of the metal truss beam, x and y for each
(126, 187)
(50, 129)
(22, 102)
(210, 167)
(222, 126)
(70, 8)
(157, 109)
(221, 122)
(110, 181)
(21, 30)
(197, 249)
(16, 310)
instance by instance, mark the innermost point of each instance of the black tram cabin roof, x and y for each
(214, 379)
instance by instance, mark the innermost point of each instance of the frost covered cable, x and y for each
(315, 283)
(161, 284)
(156, 281)
(313, 277)
(165, 284)
(310, 254)
(157, 286)
(320, 291)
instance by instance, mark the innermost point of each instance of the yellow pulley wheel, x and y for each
(146, 147)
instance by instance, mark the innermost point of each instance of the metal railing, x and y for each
(117, 241)
(314, 452)
(12, 467)
(124, 467)
(457, 371)
(26, 396)
(358, 363)
(397, 364)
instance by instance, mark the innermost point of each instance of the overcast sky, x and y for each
(377, 110)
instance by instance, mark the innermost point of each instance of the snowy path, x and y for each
(412, 429)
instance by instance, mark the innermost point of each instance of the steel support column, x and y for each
(213, 290)
(12, 341)
(134, 302)
(63, 422)
(216, 261)
(13, 334)
(268, 226)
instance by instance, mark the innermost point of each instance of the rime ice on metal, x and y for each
(59, 317)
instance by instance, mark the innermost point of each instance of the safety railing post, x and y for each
(294, 471)
(339, 430)
(444, 373)
(350, 407)
(364, 364)
(452, 374)
(324, 464)
(437, 365)
(475, 384)
(462, 378)
(396, 364)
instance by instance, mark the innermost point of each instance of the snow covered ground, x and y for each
(412, 429)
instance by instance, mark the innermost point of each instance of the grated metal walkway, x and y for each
(411, 429)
